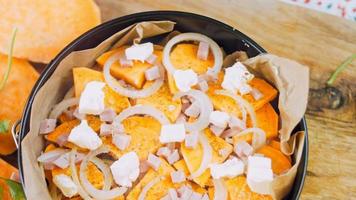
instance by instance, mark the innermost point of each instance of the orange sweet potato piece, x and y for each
(277, 145)
(184, 56)
(280, 162)
(267, 120)
(268, 91)
(83, 75)
(134, 75)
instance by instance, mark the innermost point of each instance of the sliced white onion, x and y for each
(142, 110)
(62, 106)
(148, 186)
(62, 139)
(203, 51)
(74, 175)
(258, 137)
(51, 155)
(207, 156)
(220, 191)
(132, 93)
(257, 95)
(206, 107)
(243, 105)
(192, 37)
(105, 193)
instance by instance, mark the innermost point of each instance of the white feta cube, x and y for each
(84, 136)
(259, 162)
(172, 133)
(126, 169)
(164, 151)
(236, 79)
(230, 168)
(121, 141)
(259, 180)
(139, 52)
(185, 79)
(92, 98)
(152, 73)
(66, 185)
(178, 176)
(219, 118)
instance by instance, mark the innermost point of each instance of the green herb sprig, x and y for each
(9, 60)
(15, 188)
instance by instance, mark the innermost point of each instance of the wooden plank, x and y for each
(318, 40)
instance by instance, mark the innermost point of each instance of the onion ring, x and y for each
(258, 138)
(118, 88)
(148, 186)
(242, 103)
(62, 106)
(220, 192)
(218, 57)
(105, 193)
(206, 107)
(140, 109)
(74, 175)
(207, 157)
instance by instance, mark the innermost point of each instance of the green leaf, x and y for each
(341, 67)
(4, 126)
(16, 190)
(9, 60)
(1, 193)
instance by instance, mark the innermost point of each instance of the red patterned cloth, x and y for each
(342, 8)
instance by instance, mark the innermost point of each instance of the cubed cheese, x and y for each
(259, 180)
(66, 185)
(126, 169)
(219, 119)
(177, 176)
(236, 79)
(173, 157)
(230, 168)
(139, 51)
(185, 79)
(84, 136)
(92, 98)
(259, 162)
(121, 140)
(172, 133)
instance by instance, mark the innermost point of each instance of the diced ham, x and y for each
(164, 151)
(236, 123)
(216, 130)
(151, 59)
(243, 149)
(121, 141)
(203, 51)
(203, 85)
(144, 166)
(107, 115)
(185, 192)
(178, 176)
(15, 177)
(47, 126)
(62, 139)
(191, 140)
(193, 110)
(173, 157)
(153, 161)
(106, 129)
(152, 73)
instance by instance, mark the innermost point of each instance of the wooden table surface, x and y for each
(317, 40)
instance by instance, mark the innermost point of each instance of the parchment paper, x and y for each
(61, 80)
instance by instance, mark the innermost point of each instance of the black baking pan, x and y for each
(229, 38)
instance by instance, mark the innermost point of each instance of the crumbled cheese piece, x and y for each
(139, 52)
(126, 169)
(203, 85)
(216, 130)
(153, 161)
(164, 151)
(243, 149)
(92, 98)
(191, 140)
(230, 168)
(178, 176)
(235, 122)
(84, 136)
(236, 79)
(259, 162)
(152, 73)
(66, 185)
(121, 141)
(219, 118)
(172, 133)
(185, 79)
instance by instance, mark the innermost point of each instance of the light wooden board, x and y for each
(315, 39)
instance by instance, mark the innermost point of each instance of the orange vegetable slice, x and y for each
(134, 75)
(57, 24)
